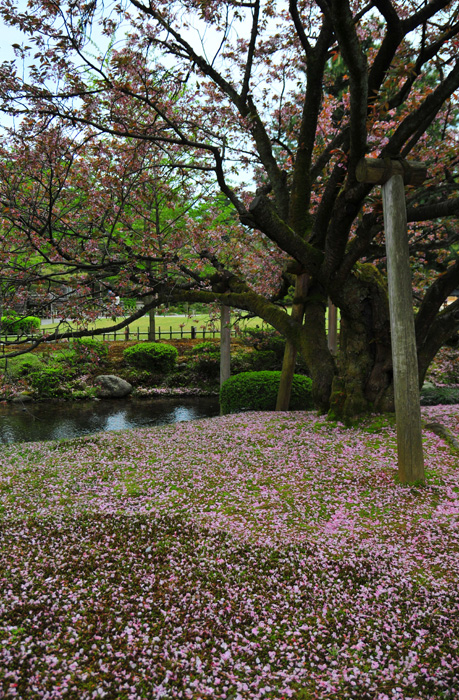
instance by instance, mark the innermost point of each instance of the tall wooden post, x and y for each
(332, 327)
(393, 175)
(151, 319)
(225, 344)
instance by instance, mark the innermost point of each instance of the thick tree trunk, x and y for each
(313, 345)
(363, 380)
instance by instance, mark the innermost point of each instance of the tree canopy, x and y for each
(270, 106)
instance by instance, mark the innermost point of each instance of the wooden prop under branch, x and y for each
(393, 175)
(377, 171)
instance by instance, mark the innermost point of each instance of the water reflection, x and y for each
(55, 421)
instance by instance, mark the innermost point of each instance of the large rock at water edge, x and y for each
(111, 387)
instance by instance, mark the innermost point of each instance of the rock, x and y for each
(23, 397)
(111, 387)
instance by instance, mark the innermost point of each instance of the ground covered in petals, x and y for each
(262, 555)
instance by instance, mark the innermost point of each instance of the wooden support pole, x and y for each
(225, 344)
(151, 319)
(332, 327)
(394, 175)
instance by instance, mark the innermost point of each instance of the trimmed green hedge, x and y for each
(257, 391)
(155, 357)
(17, 325)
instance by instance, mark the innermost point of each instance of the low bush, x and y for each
(257, 391)
(66, 356)
(18, 325)
(254, 361)
(205, 348)
(154, 357)
(269, 340)
(89, 350)
(50, 381)
(262, 339)
(205, 359)
(21, 366)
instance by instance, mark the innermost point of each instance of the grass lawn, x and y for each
(261, 555)
(166, 323)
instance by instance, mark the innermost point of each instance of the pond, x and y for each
(55, 421)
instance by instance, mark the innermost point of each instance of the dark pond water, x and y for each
(55, 421)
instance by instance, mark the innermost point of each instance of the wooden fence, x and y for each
(129, 334)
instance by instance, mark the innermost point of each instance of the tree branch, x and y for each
(344, 28)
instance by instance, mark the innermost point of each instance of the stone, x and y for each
(111, 387)
(23, 397)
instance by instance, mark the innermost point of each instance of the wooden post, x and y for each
(225, 344)
(332, 327)
(394, 175)
(289, 361)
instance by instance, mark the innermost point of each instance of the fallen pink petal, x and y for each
(260, 555)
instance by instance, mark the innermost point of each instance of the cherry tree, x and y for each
(86, 219)
(275, 104)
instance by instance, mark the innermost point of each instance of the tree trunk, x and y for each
(151, 325)
(313, 345)
(363, 381)
(288, 365)
(151, 321)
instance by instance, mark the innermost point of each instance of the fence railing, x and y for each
(137, 334)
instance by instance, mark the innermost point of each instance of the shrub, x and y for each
(17, 325)
(208, 365)
(90, 350)
(155, 357)
(205, 359)
(261, 339)
(205, 348)
(257, 391)
(21, 366)
(254, 361)
(66, 356)
(50, 382)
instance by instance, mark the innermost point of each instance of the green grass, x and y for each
(164, 323)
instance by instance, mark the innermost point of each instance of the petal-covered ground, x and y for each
(262, 555)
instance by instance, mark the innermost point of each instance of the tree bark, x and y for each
(364, 366)
(151, 325)
(288, 365)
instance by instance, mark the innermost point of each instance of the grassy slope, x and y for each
(249, 556)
